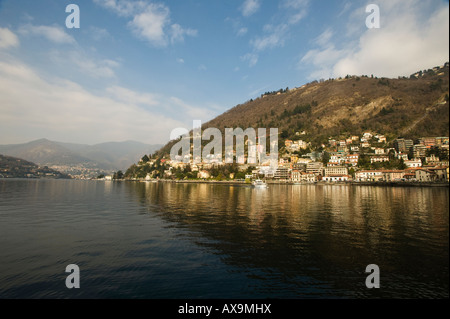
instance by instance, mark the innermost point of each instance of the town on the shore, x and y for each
(368, 157)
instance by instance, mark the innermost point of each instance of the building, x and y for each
(282, 173)
(314, 168)
(402, 145)
(381, 138)
(425, 175)
(441, 173)
(393, 175)
(369, 176)
(335, 171)
(296, 176)
(308, 178)
(367, 135)
(414, 163)
(427, 141)
(352, 159)
(379, 159)
(335, 178)
(204, 174)
(419, 150)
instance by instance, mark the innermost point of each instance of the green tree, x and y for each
(118, 175)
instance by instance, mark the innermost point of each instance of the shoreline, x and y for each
(270, 182)
(385, 184)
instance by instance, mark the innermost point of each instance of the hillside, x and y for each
(403, 107)
(12, 167)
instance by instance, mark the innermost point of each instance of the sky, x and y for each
(138, 69)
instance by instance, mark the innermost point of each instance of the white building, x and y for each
(369, 176)
(414, 163)
(335, 178)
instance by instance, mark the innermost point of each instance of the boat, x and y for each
(259, 184)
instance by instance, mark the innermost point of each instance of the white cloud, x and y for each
(178, 33)
(32, 107)
(251, 58)
(324, 39)
(149, 21)
(129, 96)
(250, 7)
(80, 62)
(150, 24)
(192, 112)
(54, 33)
(274, 37)
(99, 33)
(411, 38)
(242, 31)
(8, 39)
(180, 60)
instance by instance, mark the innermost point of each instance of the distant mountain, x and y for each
(12, 167)
(410, 107)
(44, 152)
(105, 156)
(116, 155)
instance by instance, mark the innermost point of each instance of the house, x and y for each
(425, 175)
(414, 163)
(204, 174)
(381, 138)
(441, 173)
(432, 160)
(288, 143)
(367, 135)
(393, 175)
(379, 151)
(352, 159)
(369, 176)
(379, 159)
(308, 177)
(296, 176)
(335, 178)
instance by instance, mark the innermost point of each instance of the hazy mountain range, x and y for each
(105, 156)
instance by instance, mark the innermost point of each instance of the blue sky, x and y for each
(137, 69)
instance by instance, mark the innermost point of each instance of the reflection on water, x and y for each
(164, 240)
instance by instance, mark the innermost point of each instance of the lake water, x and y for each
(166, 240)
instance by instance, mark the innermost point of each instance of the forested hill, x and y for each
(409, 107)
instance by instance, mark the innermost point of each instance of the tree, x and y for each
(145, 159)
(118, 175)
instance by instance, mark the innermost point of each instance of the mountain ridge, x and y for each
(398, 107)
